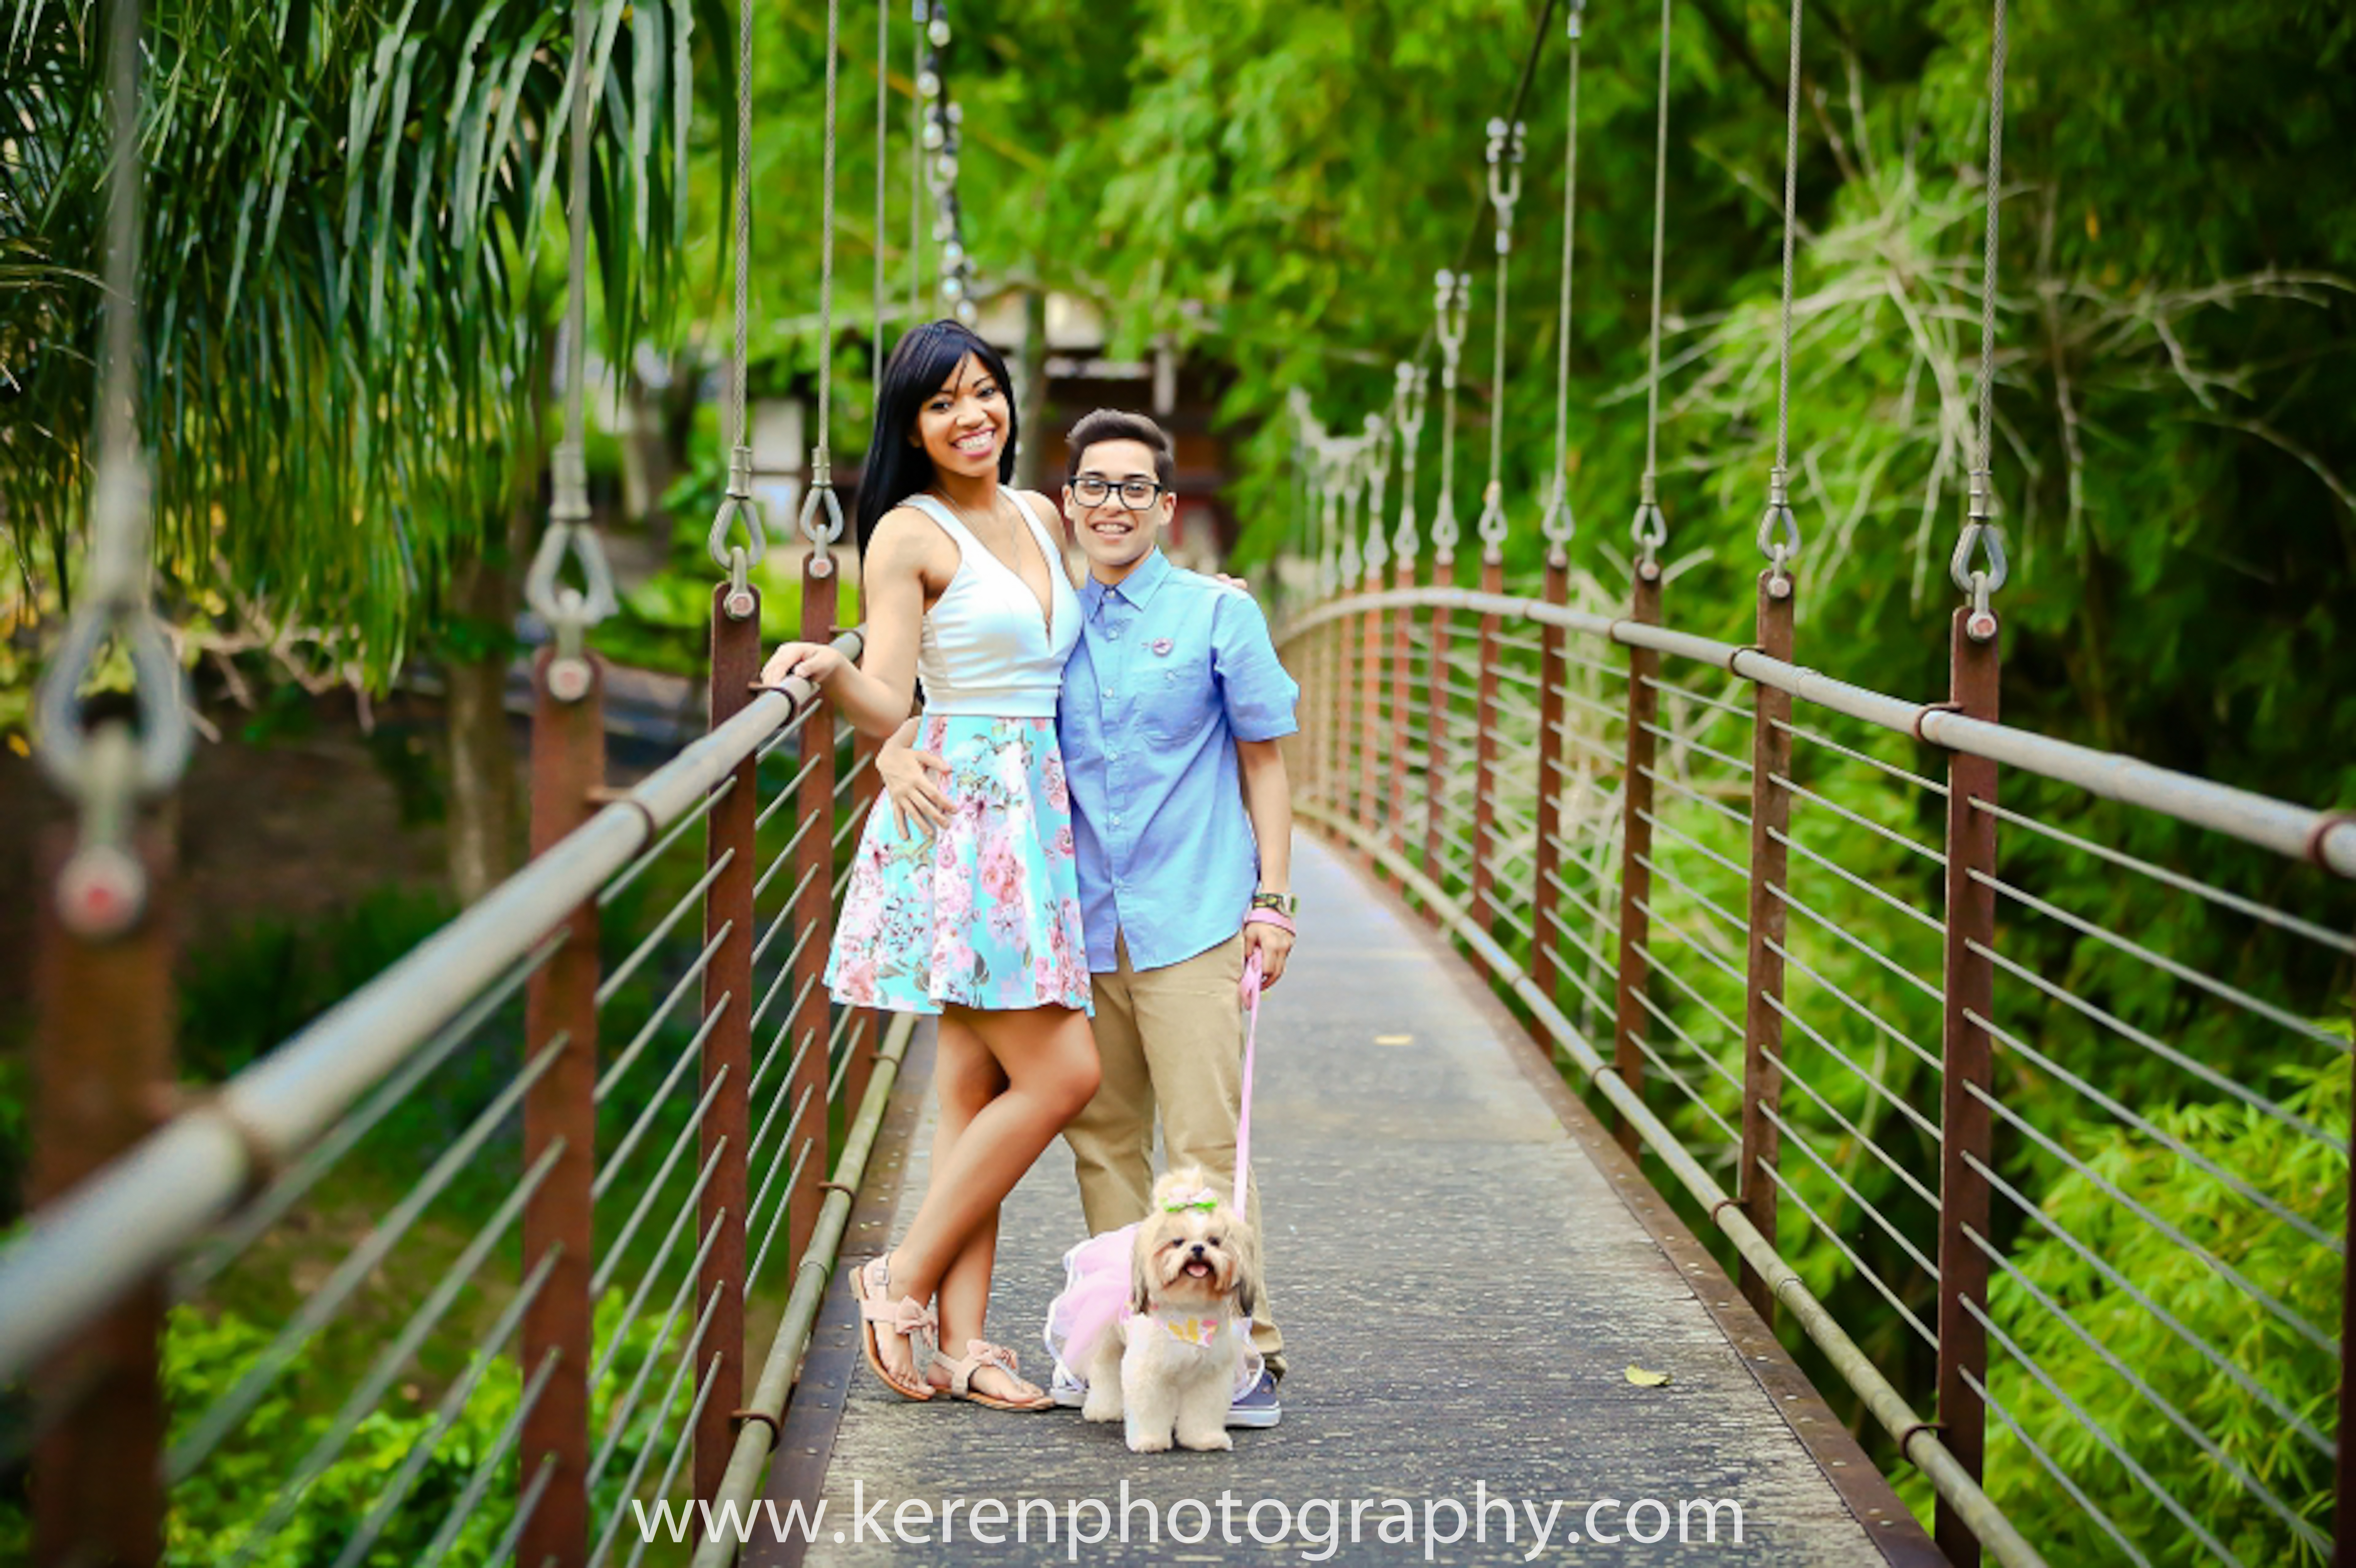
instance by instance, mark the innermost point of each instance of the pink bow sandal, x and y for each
(980, 1353)
(912, 1320)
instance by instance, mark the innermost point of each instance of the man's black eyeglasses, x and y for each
(1136, 494)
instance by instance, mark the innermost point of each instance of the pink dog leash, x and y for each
(1251, 1042)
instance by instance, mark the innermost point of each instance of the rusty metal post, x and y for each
(1635, 848)
(1370, 714)
(103, 1074)
(1762, 1025)
(1334, 771)
(1400, 698)
(814, 928)
(1435, 737)
(1484, 765)
(728, 1048)
(568, 762)
(1554, 674)
(1966, 1058)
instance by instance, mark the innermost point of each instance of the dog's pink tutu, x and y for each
(1097, 1273)
(1094, 1297)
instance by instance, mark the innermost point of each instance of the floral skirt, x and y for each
(985, 912)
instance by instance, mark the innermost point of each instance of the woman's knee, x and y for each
(1076, 1079)
(966, 1076)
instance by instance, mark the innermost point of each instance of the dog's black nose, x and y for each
(1198, 1249)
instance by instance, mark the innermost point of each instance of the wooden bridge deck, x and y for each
(1464, 1265)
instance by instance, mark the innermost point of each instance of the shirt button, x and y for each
(1115, 819)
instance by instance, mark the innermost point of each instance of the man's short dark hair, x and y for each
(1115, 424)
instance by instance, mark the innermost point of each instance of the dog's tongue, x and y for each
(1199, 1269)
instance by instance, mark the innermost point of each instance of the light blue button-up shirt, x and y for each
(1172, 670)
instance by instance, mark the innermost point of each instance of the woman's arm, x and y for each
(1268, 801)
(875, 695)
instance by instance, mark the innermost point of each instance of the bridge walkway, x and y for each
(1465, 1264)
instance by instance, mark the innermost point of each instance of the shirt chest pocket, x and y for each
(1175, 696)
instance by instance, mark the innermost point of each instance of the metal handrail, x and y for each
(2327, 838)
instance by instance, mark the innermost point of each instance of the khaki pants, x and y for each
(1172, 1037)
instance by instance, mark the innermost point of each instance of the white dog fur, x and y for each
(1168, 1368)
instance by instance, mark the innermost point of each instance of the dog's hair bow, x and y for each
(1202, 1198)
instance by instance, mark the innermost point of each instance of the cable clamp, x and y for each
(821, 495)
(569, 610)
(1556, 524)
(1505, 177)
(1923, 713)
(114, 608)
(2329, 823)
(737, 1418)
(1981, 533)
(1451, 301)
(1650, 529)
(1491, 526)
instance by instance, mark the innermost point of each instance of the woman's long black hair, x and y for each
(896, 467)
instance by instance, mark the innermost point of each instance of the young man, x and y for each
(1171, 710)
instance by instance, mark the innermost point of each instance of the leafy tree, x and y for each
(346, 306)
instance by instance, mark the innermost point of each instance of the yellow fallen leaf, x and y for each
(1644, 1379)
(1394, 1039)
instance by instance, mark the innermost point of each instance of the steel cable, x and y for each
(619, 1248)
(364, 1400)
(2159, 1048)
(2191, 1338)
(1784, 1185)
(2217, 1452)
(206, 1431)
(446, 1415)
(691, 899)
(2288, 1317)
(629, 873)
(610, 1168)
(688, 1353)
(2190, 976)
(661, 1015)
(2166, 1499)
(284, 1193)
(626, 1408)
(487, 1467)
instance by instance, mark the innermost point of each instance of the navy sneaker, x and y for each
(1258, 1407)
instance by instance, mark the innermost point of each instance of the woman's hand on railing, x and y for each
(814, 662)
(905, 772)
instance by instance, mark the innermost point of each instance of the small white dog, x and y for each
(1168, 1368)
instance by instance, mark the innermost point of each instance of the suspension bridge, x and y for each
(1640, 967)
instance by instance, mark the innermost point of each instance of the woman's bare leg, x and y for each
(1049, 1059)
(966, 1078)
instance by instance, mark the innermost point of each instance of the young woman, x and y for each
(964, 585)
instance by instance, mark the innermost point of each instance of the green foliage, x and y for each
(2108, 1338)
(347, 280)
(251, 989)
(215, 1511)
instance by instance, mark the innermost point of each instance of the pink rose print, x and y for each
(856, 980)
